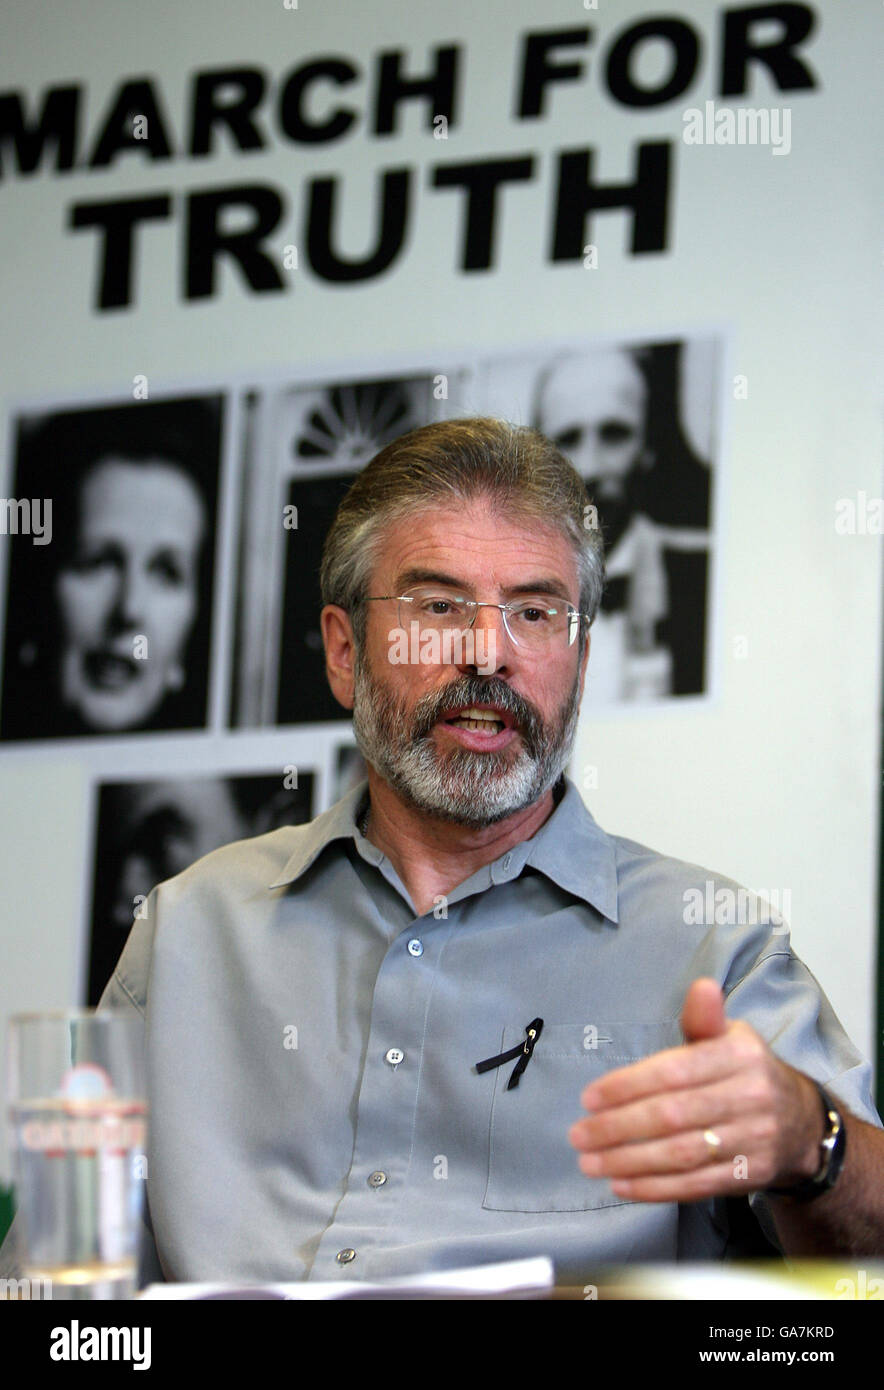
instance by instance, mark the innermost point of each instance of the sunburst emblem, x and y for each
(352, 423)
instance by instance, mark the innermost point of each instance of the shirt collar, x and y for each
(339, 822)
(570, 848)
(574, 851)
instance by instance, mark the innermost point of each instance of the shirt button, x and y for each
(507, 860)
(394, 1056)
(344, 1257)
(415, 947)
(377, 1179)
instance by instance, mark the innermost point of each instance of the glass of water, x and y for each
(78, 1116)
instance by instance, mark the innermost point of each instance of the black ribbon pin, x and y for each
(522, 1050)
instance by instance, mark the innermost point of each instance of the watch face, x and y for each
(833, 1146)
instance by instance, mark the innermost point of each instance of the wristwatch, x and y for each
(832, 1150)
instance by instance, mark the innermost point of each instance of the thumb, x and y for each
(703, 1014)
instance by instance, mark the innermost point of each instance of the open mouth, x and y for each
(480, 721)
(108, 670)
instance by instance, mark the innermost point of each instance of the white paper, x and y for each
(513, 1277)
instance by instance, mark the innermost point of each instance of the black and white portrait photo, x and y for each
(619, 414)
(148, 831)
(108, 624)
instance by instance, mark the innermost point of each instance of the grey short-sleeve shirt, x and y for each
(315, 1107)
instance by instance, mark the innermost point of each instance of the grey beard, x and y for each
(463, 787)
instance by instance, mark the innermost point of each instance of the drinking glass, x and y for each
(78, 1117)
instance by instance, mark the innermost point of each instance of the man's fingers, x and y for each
(740, 1145)
(703, 1014)
(670, 1112)
(693, 1064)
(681, 1154)
(696, 1121)
(712, 1181)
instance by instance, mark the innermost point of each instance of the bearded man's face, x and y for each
(467, 741)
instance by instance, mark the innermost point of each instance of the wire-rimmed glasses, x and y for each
(534, 622)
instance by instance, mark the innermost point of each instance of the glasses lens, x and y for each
(535, 622)
(435, 609)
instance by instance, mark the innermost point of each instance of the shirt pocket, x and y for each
(531, 1164)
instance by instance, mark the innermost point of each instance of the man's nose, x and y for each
(488, 649)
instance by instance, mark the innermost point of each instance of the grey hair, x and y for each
(515, 467)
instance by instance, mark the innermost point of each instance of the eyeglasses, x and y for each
(530, 622)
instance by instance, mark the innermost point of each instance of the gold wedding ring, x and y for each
(713, 1144)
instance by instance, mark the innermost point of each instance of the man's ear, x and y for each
(584, 661)
(340, 652)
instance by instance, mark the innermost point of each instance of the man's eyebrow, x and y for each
(406, 578)
(554, 588)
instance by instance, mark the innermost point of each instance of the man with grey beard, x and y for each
(472, 789)
(369, 1038)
